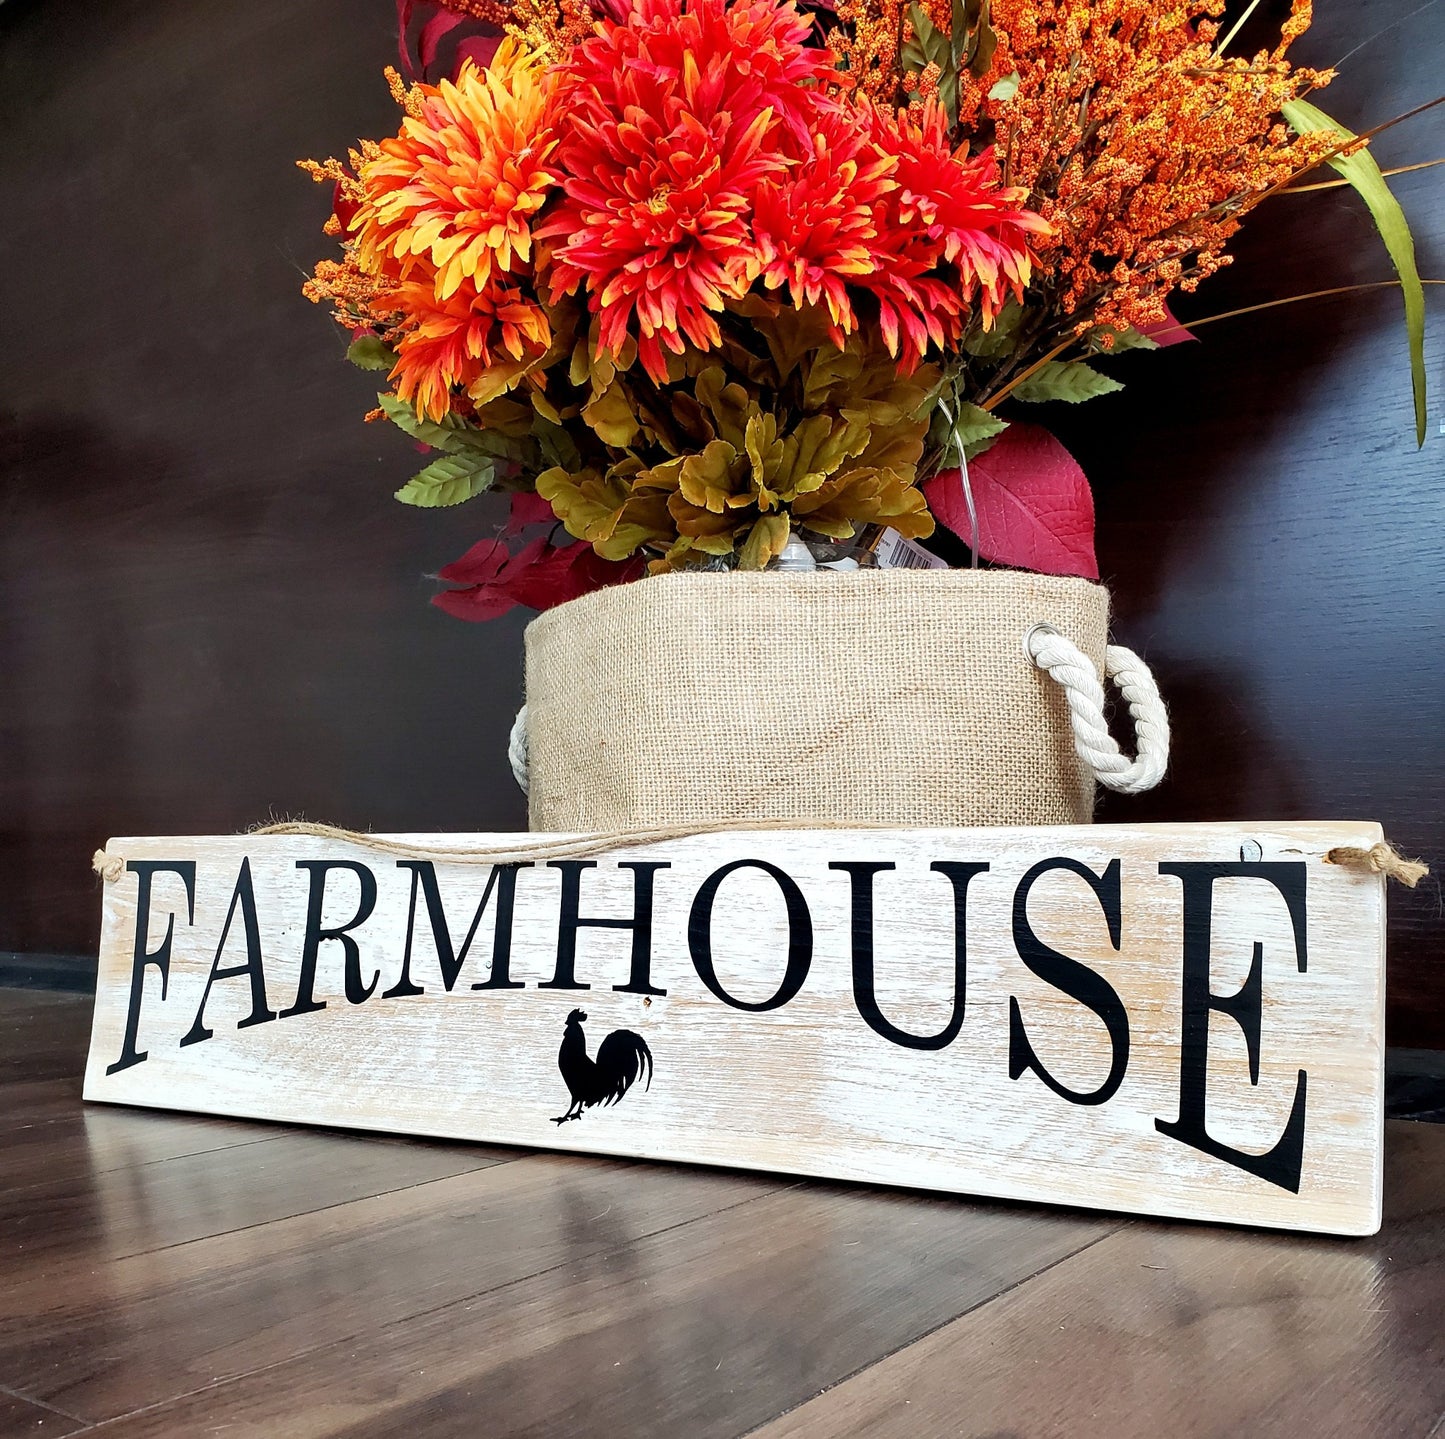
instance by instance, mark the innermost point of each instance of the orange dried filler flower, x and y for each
(1139, 143)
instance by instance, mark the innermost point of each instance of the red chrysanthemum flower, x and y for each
(656, 226)
(955, 202)
(816, 229)
(673, 118)
(733, 58)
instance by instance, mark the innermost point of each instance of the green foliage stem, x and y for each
(1360, 169)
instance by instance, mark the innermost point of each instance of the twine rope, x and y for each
(505, 849)
(110, 867)
(1074, 672)
(1381, 858)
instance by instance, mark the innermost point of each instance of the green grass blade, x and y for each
(1364, 175)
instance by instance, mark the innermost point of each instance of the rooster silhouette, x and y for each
(621, 1060)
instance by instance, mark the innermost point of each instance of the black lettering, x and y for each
(1070, 977)
(1283, 1163)
(144, 870)
(864, 992)
(356, 991)
(245, 897)
(800, 935)
(570, 921)
(503, 879)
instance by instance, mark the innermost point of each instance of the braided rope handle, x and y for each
(517, 751)
(1074, 671)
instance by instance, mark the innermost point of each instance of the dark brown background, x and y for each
(210, 609)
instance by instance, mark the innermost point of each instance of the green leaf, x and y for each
(933, 44)
(1069, 380)
(975, 431)
(452, 435)
(958, 32)
(995, 343)
(368, 353)
(448, 480)
(985, 42)
(1364, 175)
(1126, 339)
(440, 435)
(911, 56)
(1006, 88)
(558, 447)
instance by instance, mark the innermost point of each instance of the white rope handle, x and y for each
(1071, 668)
(517, 751)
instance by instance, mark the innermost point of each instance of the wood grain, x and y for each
(705, 1330)
(76, 1145)
(45, 1135)
(562, 1295)
(1164, 1330)
(154, 1207)
(180, 1317)
(805, 1085)
(39, 1035)
(20, 1419)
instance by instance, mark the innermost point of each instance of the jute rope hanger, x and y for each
(520, 849)
(1381, 858)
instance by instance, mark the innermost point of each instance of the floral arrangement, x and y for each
(687, 277)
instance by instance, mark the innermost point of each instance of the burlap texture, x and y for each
(891, 696)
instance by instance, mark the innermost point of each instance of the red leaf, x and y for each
(1168, 332)
(479, 566)
(480, 602)
(529, 508)
(1035, 509)
(403, 19)
(538, 576)
(562, 575)
(478, 48)
(432, 34)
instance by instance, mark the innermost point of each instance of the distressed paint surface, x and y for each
(807, 1087)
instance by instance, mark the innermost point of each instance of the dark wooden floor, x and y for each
(166, 1275)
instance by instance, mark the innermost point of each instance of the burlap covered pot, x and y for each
(890, 696)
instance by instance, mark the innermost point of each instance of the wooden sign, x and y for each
(1165, 1019)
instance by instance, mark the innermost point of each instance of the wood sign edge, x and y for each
(1340, 911)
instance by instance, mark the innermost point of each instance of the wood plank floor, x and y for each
(170, 1275)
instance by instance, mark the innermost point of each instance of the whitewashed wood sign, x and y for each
(1179, 1020)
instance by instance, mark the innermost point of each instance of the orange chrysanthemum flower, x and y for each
(441, 219)
(674, 116)
(481, 341)
(455, 192)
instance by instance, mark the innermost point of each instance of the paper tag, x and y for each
(896, 553)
